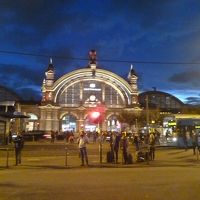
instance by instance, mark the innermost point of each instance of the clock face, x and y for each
(92, 98)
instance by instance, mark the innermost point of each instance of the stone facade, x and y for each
(68, 101)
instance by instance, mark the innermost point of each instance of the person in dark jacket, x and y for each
(19, 144)
(195, 145)
(124, 147)
(116, 144)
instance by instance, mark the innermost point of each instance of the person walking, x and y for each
(19, 144)
(83, 140)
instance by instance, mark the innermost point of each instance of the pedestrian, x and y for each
(116, 144)
(10, 137)
(19, 144)
(124, 147)
(52, 136)
(195, 142)
(152, 146)
(83, 140)
(136, 141)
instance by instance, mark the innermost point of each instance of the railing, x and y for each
(7, 150)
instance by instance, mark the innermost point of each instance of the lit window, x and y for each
(92, 85)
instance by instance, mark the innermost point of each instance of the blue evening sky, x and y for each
(132, 30)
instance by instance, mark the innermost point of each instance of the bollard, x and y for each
(7, 157)
(147, 155)
(66, 151)
(100, 152)
(7, 149)
(197, 151)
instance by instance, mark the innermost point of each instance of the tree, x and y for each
(128, 117)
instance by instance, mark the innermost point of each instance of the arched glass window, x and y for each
(71, 96)
(112, 97)
(90, 93)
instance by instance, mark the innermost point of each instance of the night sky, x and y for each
(139, 32)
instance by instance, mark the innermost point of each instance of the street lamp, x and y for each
(96, 116)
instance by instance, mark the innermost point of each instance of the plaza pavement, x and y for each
(43, 175)
(61, 154)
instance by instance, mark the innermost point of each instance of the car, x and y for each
(34, 135)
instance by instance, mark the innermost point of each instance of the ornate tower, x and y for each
(50, 72)
(47, 95)
(49, 119)
(132, 79)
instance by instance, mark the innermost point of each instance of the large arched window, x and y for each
(70, 96)
(89, 93)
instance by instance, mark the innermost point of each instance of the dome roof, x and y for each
(162, 100)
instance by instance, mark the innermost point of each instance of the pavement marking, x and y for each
(33, 159)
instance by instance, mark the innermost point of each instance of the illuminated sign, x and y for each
(92, 89)
(198, 126)
(171, 123)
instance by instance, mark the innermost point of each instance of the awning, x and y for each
(13, 115)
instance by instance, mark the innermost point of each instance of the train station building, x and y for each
(73, 101)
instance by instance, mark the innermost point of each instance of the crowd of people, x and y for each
(144, 144)
(120, 141)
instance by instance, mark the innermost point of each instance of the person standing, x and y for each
(136, 141)
(195, 142)
(19, 144)
(83, 140)
(116, 144)
(124, 146)
(52, 136)
(152, 146)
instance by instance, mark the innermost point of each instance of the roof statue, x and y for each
(92, 56)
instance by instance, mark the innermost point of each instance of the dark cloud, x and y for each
(29, 94)
(30, 21)
(143, 30)
(145, 13)
(21, 75)
(187, 77)
(193, 100)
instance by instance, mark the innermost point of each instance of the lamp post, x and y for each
(147, 112)
(96, 117)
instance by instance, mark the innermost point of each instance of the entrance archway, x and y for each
(113, 124)
(68, 123)
(32, 122)
(89, 127)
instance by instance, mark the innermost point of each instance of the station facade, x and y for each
(67, 103)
